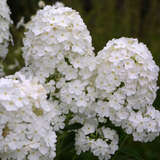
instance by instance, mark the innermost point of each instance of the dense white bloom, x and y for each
(118, 84)
(58, 39)
(58, 49)
(4, 28)
(25, 119)
(102, 144)
(126, 86)
(144, 125)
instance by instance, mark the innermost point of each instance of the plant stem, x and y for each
(121, 145)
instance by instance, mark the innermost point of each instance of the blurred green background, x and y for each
(105, 19)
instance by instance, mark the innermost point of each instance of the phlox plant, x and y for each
(65, 88)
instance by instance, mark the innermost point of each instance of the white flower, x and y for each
(41, 4)
(76, 87)
(89, 126)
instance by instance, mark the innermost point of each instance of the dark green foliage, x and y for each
(105, 19)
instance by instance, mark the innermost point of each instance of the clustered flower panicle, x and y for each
(25, 117)
(57, 40)
(63, 76)
(127, 77)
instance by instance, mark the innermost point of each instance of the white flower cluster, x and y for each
(25, 117)
(65, 77)
(5, 21)
(58, 50)
(57, 39)
(126, 85)
(102, 142)
(119, 83)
